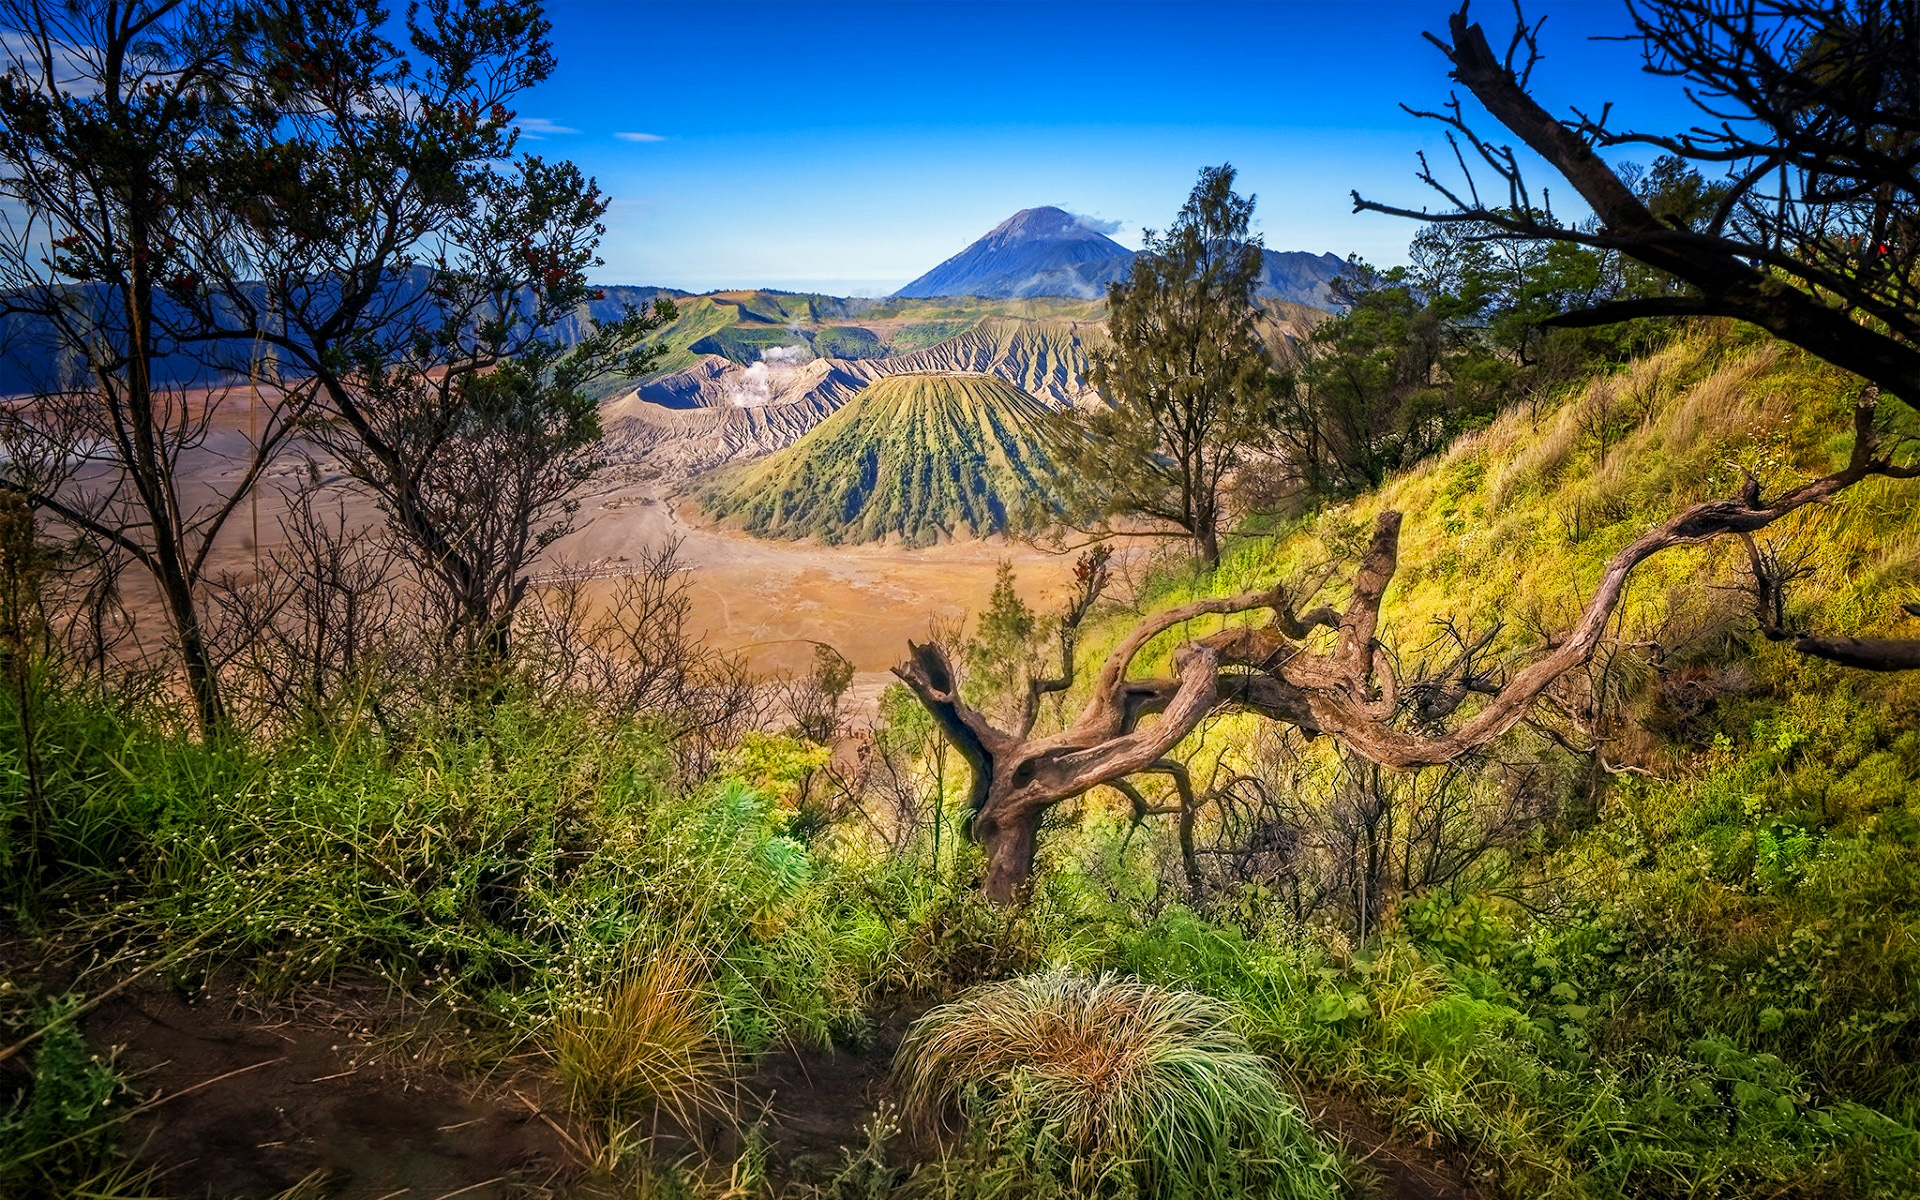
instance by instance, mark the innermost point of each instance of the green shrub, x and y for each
(59, 1102)
(1112, 1087)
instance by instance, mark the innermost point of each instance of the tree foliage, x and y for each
(1187, 377)
(1420, 353)
(1804, 223)
(330, 206)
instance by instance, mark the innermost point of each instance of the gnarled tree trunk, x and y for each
(1349, 691)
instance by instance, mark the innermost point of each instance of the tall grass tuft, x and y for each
(1111, 1087)
(651, 1039)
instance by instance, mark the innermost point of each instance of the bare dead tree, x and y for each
(1349, 691)
(893, 799)
(326, 630)
(352, 199)
(1351, 848)
(91, 627)
(25, 648)
(1260, 829)
(1809, 109)
(1383, 836)
(633, 654)
(1092, 571)
(1583, 714)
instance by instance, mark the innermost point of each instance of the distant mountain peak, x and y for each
(1042, 251)
(1045, 224)
(1048, 251)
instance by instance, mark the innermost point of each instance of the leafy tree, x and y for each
(447, 355)
(477, 473)
(1000, 654)
(1419, 353)
(1186, 376)
(221, 182)
(1369, 394)
(814, 700)
(109, 120)
(1810, 128)
(1408, 363)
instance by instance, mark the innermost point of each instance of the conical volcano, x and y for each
(918, 457)
(1035, 252)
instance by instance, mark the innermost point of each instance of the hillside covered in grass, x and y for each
(916, 457)
(1664, 938)
(1661, 941)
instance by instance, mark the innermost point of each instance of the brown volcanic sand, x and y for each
(768, 599)
(248, 1103)
(772, 599)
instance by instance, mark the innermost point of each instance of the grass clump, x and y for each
(651, 1038)
(1111, 1087)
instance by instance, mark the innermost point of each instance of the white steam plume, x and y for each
(756, 385)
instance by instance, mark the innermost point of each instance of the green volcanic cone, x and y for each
(914, 456)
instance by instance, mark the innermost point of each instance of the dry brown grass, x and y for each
(651, 1039)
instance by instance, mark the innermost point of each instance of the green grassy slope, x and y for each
(1516, 520)
(913, 456)
(740, 325)
(1712, 988)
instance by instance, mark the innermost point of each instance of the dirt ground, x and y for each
(1398, 1167)
(248, 1102)
(769, 600)
(344, 1091)
(348, 1093)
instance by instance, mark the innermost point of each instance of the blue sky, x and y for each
(848, 147)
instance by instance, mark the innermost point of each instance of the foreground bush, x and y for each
(651, 1038)
(1111, 1087)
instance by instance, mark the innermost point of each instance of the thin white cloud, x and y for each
(536, 128)
(76, 71)
(1096, 224)
(640, 137)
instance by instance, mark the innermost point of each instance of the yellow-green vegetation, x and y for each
(918, 457)
(1112, 1087)
(649, 1040)
(1697, 972)
(1690, 969)
(742, 325)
